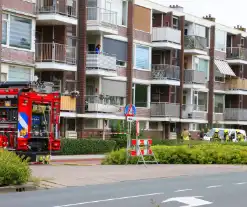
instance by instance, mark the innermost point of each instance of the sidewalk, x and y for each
(65, 176)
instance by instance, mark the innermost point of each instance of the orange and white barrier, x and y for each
(141, 152)
(142, 142)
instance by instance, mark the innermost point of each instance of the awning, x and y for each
(224, 67)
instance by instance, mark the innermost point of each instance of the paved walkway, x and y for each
(63, 175)
(77, 159)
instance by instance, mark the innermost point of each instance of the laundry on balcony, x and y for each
(224, 67)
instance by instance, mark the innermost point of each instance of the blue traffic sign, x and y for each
(130, 110)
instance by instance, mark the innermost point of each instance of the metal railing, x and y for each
(235, 114)
(54, 52)
(165, 110)
(101, 61)
(66, 7)
(164, 71)
(166, 34)
(193, 76)
(193, 111)
(103, 104)
(100, 16)
(195, 42)
(236, 53)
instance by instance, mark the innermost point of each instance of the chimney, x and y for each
(239, 27)
(210, 18)
(177, 7)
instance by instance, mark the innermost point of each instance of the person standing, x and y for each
(97, 49)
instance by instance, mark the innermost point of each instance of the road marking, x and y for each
(214, 186)
(240, 183)
(191, 201)
(182, 190)
(110, 199)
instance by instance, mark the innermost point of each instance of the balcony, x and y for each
(54, 56)
(100, 104)
(166, 37)
(165, 72)
(194, 77)
(235, 114)
(56, 12)
(195, 45)
(236, 84)
(236, 55)
(192, 111)
(170, 110)
(101, 64)
(101, 20)
(68, 104)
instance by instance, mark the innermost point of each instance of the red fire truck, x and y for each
(29, 119)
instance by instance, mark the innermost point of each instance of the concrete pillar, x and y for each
(149, 96)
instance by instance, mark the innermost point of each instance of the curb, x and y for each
(18, 188)
(73, 164)
(77, 160)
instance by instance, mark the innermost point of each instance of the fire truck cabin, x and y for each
(29, 119)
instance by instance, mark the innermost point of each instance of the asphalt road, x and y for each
(221, 190)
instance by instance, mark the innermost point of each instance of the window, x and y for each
(4, 28)
(18, 73)
(91, 123)
(200, 101)
(203, 67)
(220, 40)
(17, 31)
(175, 23)
(142, 57)
(140, 97)
(124, 13)
(153, 125)
(71, 124)
(218, 76)
(219, 103)
(200, 30)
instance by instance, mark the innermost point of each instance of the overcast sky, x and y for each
(226, 12)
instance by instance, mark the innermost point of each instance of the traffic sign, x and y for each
(130, 118)
(130, 110)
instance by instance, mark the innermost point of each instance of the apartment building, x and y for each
(179, 70)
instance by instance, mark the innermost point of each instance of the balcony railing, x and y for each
(195, 42)
(66, 8)
(193, 111)
(103, 104)
(99, 16)
(236, 84)
(101, 61)
(54, 52)
(164, 71)
(235, 114)
(165, 110)
(236, 53)
(193, 76)
(166, 34)
(68, 103)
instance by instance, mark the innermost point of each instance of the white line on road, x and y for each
(240, 183)
(214, 186)
(182, 190)
(110, 199)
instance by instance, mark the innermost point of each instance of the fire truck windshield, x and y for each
(41, 120)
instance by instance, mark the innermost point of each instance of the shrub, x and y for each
(197, 154)
(86, 146)
(13, 169)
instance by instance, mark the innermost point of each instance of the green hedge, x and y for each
(86, 146)
(197, 154)
(13, 170)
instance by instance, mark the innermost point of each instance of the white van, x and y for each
(231, 132)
